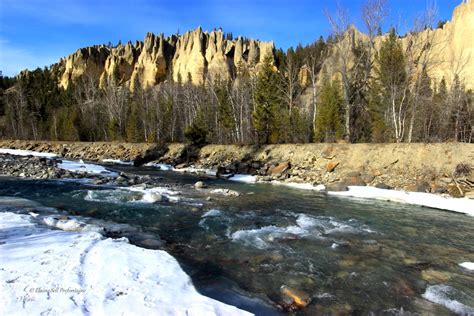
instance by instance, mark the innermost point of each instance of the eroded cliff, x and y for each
(197, 55)
(193, 56)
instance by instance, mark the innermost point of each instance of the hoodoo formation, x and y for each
(193, 56)
(198, 55)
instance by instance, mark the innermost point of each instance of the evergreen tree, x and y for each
(329, 119)
(132, 123)
(224, 111)
(379, 131)
(267, 105)
(359, 94)
(197, 132)
(392, 77)
(68, 124)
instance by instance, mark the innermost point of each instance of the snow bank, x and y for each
(467, 265)
(19, 152)
(245, 178)
(82, 167)
(301, 186)
(50, 272)
(461, 205)
(161, 166)
(118, 162)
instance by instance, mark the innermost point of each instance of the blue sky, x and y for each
(35, 33)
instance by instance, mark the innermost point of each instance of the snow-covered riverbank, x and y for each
(55, 272)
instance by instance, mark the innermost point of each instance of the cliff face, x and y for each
(451, 49)
(197, 56)
(193, 56)
(454, 46)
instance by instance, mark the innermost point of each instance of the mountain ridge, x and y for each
(198, 55)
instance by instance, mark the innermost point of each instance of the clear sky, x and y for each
(35, 33)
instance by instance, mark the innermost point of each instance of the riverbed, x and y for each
(342, 255)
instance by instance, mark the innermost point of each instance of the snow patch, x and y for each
(118, 162)
(301, 186)
(161, 166)
(467, 265)
(64, 224)
(245, 178)
(20, 152)
(460, 205)
(82, 167)
(48, 271)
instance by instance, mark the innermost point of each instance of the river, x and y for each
(345, 255)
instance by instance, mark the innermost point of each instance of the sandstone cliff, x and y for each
(451, 50)
(193, 56)
(197, 55)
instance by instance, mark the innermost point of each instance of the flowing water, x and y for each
(348, 256)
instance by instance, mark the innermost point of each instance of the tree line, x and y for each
(376, 93)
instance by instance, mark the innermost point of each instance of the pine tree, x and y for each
(197, 132)
(267, 104)
(132, 123)
(330, 119)
(379, 130)
(224, 111)
(392, 77)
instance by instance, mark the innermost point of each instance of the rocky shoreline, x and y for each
(433, 168)
(49, 168)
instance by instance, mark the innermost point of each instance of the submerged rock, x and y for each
(151, 243)
(293, 299)
(225, 192)
(199, 185)
(435, 276)
(153, 197)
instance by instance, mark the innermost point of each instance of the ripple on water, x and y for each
(451, 298)
(305, 226)
(133, 194)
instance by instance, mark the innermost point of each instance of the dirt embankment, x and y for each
(412, 167)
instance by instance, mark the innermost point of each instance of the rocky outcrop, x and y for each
(197, 56)
(119, 65)
(192, 57)
(450, 53)
(454, 50)
(89, 61)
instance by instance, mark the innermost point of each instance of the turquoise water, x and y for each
(348, 256)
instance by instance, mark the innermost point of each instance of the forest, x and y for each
(378, 93)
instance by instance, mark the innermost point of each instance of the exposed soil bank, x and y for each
(411, 167)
